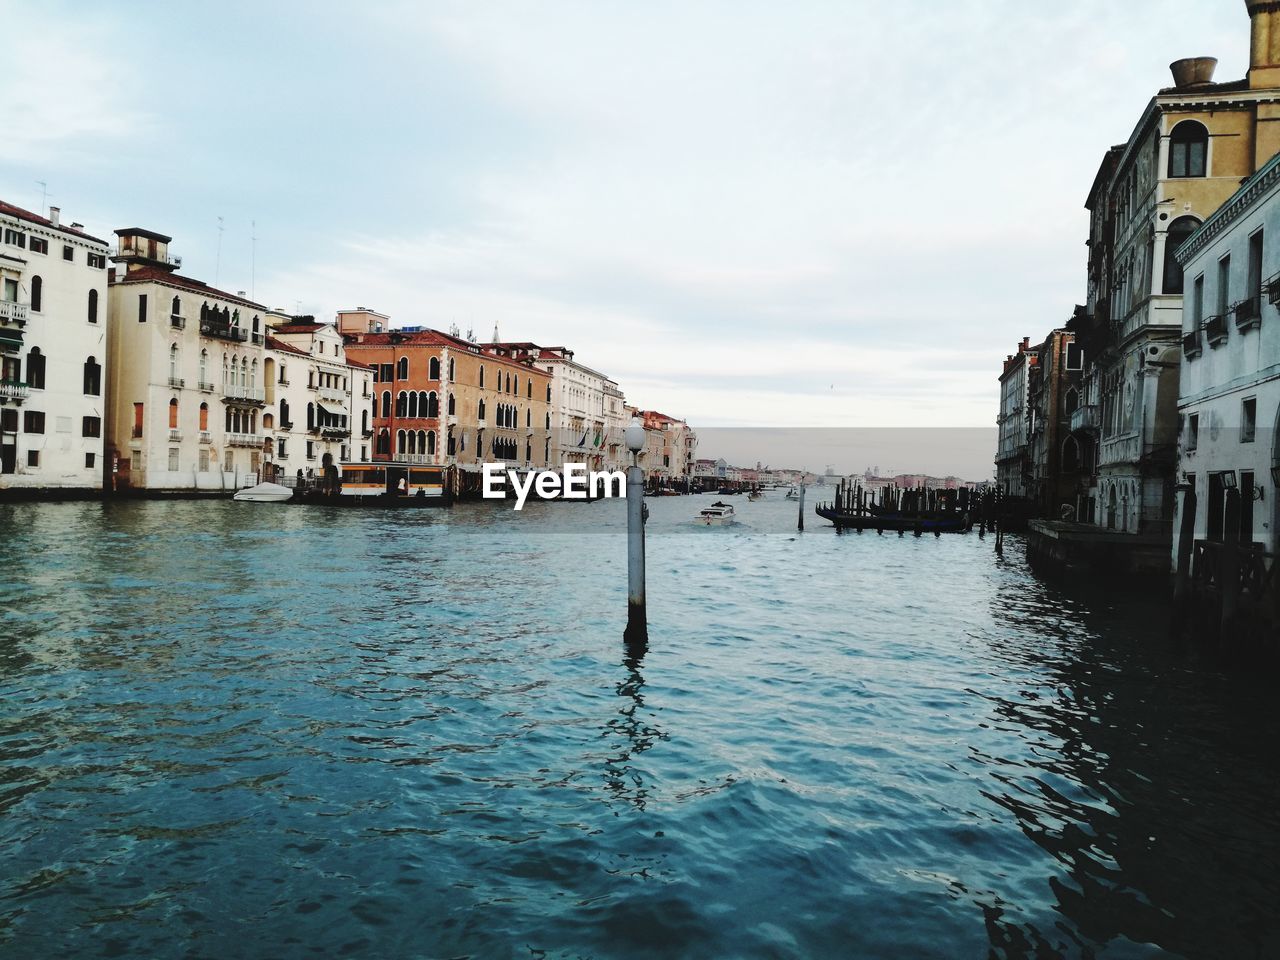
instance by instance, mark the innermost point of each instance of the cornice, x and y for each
(1231, 211)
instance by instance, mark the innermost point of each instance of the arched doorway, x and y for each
(1111, 508)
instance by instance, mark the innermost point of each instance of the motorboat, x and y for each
(717, 515)
(264, 493)
(793, 493)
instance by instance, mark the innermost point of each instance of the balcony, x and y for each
(11, 312)
(256, 337)
(238, 394)
(331, 395)
(424, 458)
(1248, 313)
(1159, 311)
(177, 322)
(1085, 419)
(206, 436)
(206, 386)
(13, 390)
(177, 382)
(332, 432)
(244, 440)
(1215, 329)
(1272, 289)
(223, 331)
(174, 435)
(1191, 346)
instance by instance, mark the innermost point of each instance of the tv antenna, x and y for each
(217, 262)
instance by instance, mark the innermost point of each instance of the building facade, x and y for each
(1013, 465)
(53, 353)
(1229, 395)
(186, 378)
(1056, 457)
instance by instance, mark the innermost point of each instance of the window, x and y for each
(1075, 356)
(33, 458)
(39, 245)
(1255, 270)
(91, 427)
(402, 368)
(68, 253)
(433, 369)
(173, 459)
(282, 448)
(204, 416)
(173, 414)
(482, 375)
(35, 368)
(1224, 285)
(175, 307)
(385, 374)
(1193, 431)
(451, 368)
(92, 377)
(98, 260)
(137, 419)
(311, 450)
(90, 460)
(1188, 149)
(1248, 419)
(386, 403)
(37, 293)
(16, 237)
(142, 308)
(32, 421)
(529, 384)
(1197, 302)
(285, 422)
(1178, 233)
(93, 306)
(204, 460)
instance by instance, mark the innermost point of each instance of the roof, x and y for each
(1252, 191)
(298, 327)
(433, 338)
(159, 275)
(21, 214)
(142, 232)
(274, 344)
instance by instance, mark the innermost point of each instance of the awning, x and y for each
(10, 338)
(332, 410)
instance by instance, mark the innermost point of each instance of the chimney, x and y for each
(1264, 46)
(55, 215)
(1193, 72)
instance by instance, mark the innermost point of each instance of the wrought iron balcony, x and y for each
(1191, 346)
(206, 436)
(223, 331)
(1215, 329)
(174, 435)
(14, 390)
(12, 312)
(1272, 289)
(333, 431)
(1085, 418)
(177, 322)
(206, 386)
(1248, 313)
(177, 382)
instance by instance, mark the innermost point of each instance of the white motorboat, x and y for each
(264, 493)
(717, 515)
(793, 493)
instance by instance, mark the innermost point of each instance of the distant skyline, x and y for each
(818, 215)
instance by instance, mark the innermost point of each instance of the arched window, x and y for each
(311, 416)
(35, 368)
(37, 293)
(173, 362)
(384, 442)
(433, 405)
(204, 416)
(285, 422)
(528, 417)
(508, 383)
(453, 405)
(402, 368)
(431, 441)
(1072, 401)
(92, 377)
(364, 421)
(1179, 230)
(402, 404)
(481, 410)
(529, 388)
(482, 374)
(253, 374)
(1188, 149)
(386, 404)
(173, 414)
(433, 369)
(413, 404)
(1070, 454)
(451, 368)
(93, 306)
(175, 308)
(268, 421)
(548, 421)
(400, 442)
(204, 367)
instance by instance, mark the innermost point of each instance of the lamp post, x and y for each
(637, 632)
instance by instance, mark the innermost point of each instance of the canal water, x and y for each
(248, 730)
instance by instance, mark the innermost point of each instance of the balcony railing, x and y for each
(244, 439)
(206, 386)
(1215, 329)
(223, 331)
(1085, 418)
(177, 322)
(1272, 289)
(1248, 313)
(13, 390)
(333, 431)
(416, 457)
(233, 391)
(175, 435)
(177, 382)
(331, 395)
(1191, 346)
(11, 312)
(206, 436)
(256, 337)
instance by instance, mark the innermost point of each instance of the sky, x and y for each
(749, 214)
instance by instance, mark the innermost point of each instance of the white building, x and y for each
(1013, 426)
(1229, 395)
(186, 375)
(320, 404)
(53, 351)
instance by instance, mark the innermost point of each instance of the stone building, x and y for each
(1056, 459)
(1013, 427)
(53, 353)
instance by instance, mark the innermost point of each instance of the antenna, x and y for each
(253, 257)
(217, 263)
(44, 196)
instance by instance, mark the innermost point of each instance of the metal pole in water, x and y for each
(800, 524)
(637, 632)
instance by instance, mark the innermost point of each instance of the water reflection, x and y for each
(631, 732)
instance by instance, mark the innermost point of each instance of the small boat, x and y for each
(755, 495)
(793, 493)
(717, 515)
(264, 493)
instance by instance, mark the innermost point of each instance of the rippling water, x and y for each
(238, 730)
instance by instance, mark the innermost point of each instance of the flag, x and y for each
(583, 441)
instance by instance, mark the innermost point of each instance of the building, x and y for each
(671, 447)
(186, 379)
(1013, 467)
(444, 400)
(53, 353)
(1055, 456)
(320, 403)
(1229, 392)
